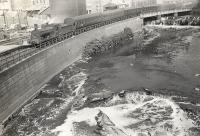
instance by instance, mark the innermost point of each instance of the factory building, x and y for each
(94, 6)
(67, 8)
(22, 12)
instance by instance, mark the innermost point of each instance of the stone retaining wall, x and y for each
(22, 82)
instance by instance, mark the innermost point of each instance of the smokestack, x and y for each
(67, 8)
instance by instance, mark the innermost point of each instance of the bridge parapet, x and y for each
(159, 13)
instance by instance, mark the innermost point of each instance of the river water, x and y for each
(166, 63)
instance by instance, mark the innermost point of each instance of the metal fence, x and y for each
(11, 58)
(15, 57)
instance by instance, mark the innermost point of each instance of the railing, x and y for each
(15, 57)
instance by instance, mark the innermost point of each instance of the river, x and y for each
(166, 63)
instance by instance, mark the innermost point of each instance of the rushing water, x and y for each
(136, 114)
(167, 64)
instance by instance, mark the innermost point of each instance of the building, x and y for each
(22, 12)
(95, 6)
(27, 5)
(6, 4)
(143, 3)
(123, 4)
(67, 8)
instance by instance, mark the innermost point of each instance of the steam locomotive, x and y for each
(52, 33)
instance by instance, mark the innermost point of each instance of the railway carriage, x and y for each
(113, 15)
(86, 20)
(66, 31)
(150, 9)
(132, 12)
(167, 7)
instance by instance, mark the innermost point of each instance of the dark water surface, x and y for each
(169, 62)
(168, 65)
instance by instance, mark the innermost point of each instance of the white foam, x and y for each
(118, 114)
(197, 75)
(78, 80)
(151, 39)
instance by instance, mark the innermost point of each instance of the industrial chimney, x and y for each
(67, 8)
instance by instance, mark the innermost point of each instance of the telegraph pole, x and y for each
(26, 18)
(4, 18)
(11, 5)
(100, 6)
(19, 18)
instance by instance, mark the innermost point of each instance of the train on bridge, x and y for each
(52, 33)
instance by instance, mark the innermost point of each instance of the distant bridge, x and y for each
(157, 15)
(176, 12)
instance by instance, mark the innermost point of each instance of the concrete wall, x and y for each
(19, 83)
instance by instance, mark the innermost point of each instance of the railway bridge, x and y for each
(157, 15)
(24, 72)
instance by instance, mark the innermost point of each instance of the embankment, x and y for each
(23, 81)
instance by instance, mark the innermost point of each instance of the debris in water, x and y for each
(122, 93)
(197, 75)
(197, 89)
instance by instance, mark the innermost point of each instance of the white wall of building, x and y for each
(97, 5)
(15, 12)
(5, 4)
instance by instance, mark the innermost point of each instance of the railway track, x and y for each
(13, 41)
